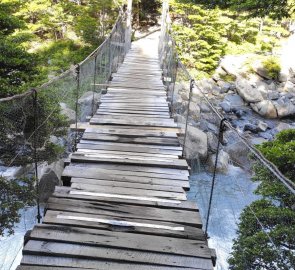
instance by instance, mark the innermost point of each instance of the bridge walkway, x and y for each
(125, 203)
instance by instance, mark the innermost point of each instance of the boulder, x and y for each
(248, 91)
(225, 106)
(235, 100)
(212, 142)
(232, 64)
(284, 107)
(194, 111)
(205, 108)
(251, 127)
(292, 75)
(69, 113)
(206, 85)
(289, 87)
(239, 154)
(85, 103)
(273, 95)
(265, 108)
(282, 126)
(50, 177)
(256, 141)
(222, 162)
(260, 70)
(262, 126)
(196, 143)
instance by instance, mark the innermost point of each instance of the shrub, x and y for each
(272, 66)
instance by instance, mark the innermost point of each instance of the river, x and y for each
(233, 191)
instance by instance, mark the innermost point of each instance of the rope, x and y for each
(220, 136)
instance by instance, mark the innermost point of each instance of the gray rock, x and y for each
(222, 162)
(266, 135)
(273, 95)
(292, 75)
(262, 126)
(289, 87)
(283, 77)
(261, 71)
(50, 177)
(282, 126)
(258, 140)
(204, 107)
(248, 91)
(212, 141)
(225, 106)
(232, 64)
(69, 113)
(239, 154)
(234, 100)
(265, 108)
(251, 127)
(284, 107)
(85, 104)
(206, 85)
(196, 143)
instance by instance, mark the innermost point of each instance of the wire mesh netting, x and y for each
(246, 203)
(35, 129)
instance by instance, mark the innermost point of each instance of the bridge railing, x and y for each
(35, 125)
(224, 162)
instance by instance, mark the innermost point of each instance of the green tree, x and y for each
(199, 35)
(266, 234)
(16, 65)
(15, 194)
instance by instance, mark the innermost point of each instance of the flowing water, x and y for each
(233, 191)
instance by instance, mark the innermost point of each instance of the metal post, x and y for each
(220, 136)
(35, 145)
(76, 106)
(94, 82)
(187, 115)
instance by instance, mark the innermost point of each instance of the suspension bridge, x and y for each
(123, 204)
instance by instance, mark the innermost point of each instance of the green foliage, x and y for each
(15, 194)
(276, 9)
(16, 65)
(272, 66)
(273, 246)
(198, 36)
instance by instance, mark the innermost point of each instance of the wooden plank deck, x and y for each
(124, 204)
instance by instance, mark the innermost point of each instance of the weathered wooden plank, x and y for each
(56, 261)
(100, 113)
(129, 191)
(113, 254)
(177, 217)
(86, 220)
(92, 158)
(65, 192)
(153, 172)
(129, 184)
(132, 122)
(125, 148)
(132, 132)
(122, 138)
(125, 153)
(82, 126)
(187, 247)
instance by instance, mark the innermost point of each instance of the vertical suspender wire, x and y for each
(110, 64)
(76, 105)
(187, 115)
(220, 135)
(35, 143)
(175, 62)
(94, 82)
